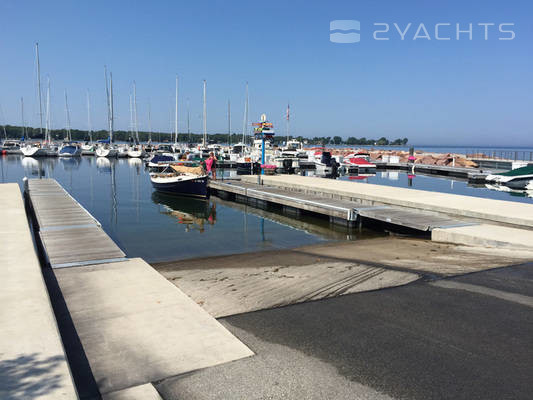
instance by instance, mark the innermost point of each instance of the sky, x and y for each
(434, 92)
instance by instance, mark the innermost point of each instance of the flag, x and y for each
(288, 109)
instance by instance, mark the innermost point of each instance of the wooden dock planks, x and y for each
(70, 235)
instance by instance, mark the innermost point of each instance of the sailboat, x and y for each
(69, 148)
(184, 180)
(241, 152)
(35, 149)
(106, 147)
(88, 147)
(135, 151)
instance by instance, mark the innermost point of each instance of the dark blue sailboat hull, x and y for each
(193, 187)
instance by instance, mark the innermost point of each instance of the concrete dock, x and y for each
(518, 215)
(477, 175)
(32, 360)
(125, 325)
(340, 211)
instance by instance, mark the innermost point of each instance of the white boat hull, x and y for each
(33, 151)
(103, 152)
(135, 153)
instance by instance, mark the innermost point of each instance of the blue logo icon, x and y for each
(345, 28)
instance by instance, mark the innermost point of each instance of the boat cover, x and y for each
(183, 169)
(528, 170)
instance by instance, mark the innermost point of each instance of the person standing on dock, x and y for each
(211, 165)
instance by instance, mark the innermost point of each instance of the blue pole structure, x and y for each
(262, 153)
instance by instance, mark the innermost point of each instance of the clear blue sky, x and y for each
(433, 92)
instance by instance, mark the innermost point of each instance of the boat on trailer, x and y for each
(184, 179)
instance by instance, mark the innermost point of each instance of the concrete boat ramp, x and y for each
(123, 325)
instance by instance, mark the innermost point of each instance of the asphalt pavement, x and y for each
(469, 338)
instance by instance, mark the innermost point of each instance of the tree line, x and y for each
(16, 132)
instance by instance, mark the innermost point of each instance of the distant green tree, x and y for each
(337, 140)
(382, 141)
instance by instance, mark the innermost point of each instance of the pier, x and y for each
(448, 218)
(32, 360)
(474, 175)
(124, 324)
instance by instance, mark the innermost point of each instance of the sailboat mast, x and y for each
(229, 122)
(245, 121)
(176, 114)
(135, 112)
(131, 118)
(111, 107)
(22, 114)
(288, 117)
(47, 131)
(108, 103)
(149, 122)
(89, 126)
(39, 88)
(69, 138)
(3, 120)
(188, 121)
(205, 116)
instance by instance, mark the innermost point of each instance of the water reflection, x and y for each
(159, 228)
(70, 163)
(194, 214)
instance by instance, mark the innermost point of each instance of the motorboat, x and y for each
(183, 179)
(166, 150)
(358, 162)
(69, 150)
(10, 147)
(517, 178)
(325, 164)
(294, 148)
(237, 151)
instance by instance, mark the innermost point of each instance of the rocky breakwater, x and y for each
(444, 159)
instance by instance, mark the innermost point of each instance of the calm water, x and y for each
(444, 185)
(161, 227)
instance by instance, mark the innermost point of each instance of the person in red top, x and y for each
(211, 166)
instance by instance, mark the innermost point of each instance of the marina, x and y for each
(212, 201)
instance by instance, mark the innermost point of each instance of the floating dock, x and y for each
(474, 175)
(457, 207)
(344, 212)
(130, 326)
(70, 235)
(450, 218)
